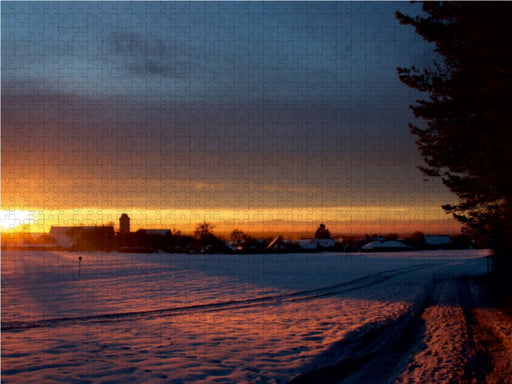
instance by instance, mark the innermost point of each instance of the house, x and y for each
(325, 243)
(316, 244)
(84, 237)
(437, 242)
(155, 232)
(275, 244)
(385, 246)
(65, 237)
(145, 240)
(308, 244)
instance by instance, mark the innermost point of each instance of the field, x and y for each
(180, 318)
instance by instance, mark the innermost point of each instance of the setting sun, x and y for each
(11, 219)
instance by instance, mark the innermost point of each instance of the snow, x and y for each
(180, 318)
(384, 244)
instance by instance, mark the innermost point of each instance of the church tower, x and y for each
(124, 223)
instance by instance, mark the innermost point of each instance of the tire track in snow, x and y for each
(352, 285)
(370, 353)
(440, 339)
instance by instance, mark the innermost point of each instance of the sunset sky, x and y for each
(267, 117)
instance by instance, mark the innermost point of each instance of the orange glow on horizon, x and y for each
(16, 220)
(291, 222)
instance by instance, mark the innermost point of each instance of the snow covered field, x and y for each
(179, 318)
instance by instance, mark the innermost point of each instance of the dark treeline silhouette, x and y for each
(205, 240)
(467, 139)
(99, 238)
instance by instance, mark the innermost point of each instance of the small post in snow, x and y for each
(79, 265)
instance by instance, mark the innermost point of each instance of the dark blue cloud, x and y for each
(211, 51)
(149, 55)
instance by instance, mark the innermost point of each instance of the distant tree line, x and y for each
(93, 239)
(204, 240)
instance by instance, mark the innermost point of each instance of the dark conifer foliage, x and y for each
(322, 232)
(467, 139)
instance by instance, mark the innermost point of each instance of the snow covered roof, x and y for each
(391, 244)
(316, 243)
(437, 240)
(308, 244)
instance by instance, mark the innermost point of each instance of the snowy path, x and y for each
(238, 318)
(452, 338)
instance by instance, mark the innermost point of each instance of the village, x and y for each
(204, 240)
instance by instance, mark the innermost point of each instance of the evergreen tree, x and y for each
(322, 232)
(467, 139)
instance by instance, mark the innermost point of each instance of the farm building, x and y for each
(88, 238)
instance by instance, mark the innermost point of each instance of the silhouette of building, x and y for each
(155, 232)
(124, 223)
(437, 242)
(85, 238)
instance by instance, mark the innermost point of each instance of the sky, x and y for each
(263, 116)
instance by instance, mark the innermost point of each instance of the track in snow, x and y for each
(446, 336)
(359, 283)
